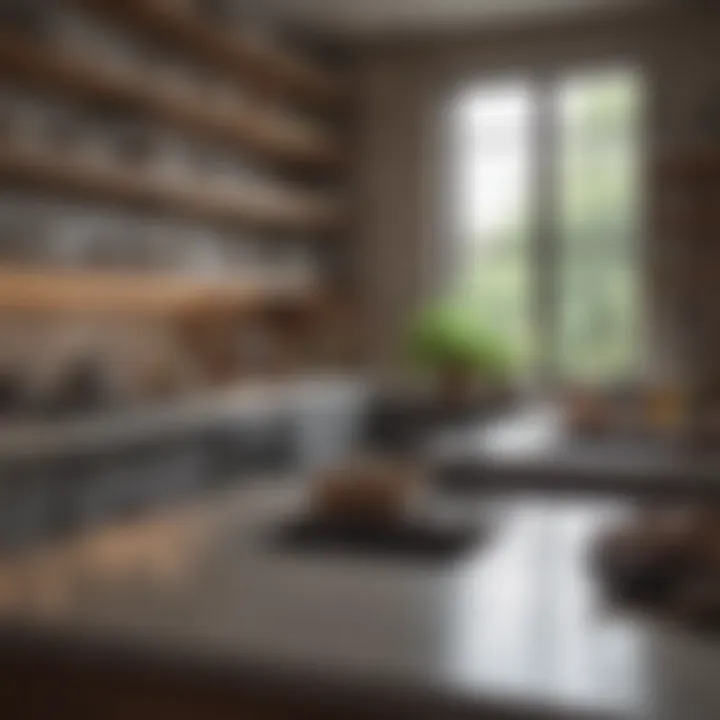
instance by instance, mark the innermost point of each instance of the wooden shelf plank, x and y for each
(248, 128)
(103, 291)
(247, 58)
(254, 206)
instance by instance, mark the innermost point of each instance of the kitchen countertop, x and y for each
(527, 449)
(517, 624)
(532, 449)
(116, 429)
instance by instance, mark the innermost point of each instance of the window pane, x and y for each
(492, 127)
(600, 309)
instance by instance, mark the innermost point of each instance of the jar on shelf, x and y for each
(134, 146)
(169, 159)
(97, 44)
(30, 126)
(33, 19)
(67, 131)
(8, 103)
(69, 242)
(98, 143)
(173, 78)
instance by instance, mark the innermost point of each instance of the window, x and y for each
(546, 219)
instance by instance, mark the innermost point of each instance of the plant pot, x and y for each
(456, 387)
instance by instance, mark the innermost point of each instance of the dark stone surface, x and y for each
(403, 422)
(422, 541)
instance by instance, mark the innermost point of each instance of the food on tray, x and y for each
(367, 489)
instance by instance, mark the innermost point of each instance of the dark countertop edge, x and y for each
(481, 475)
(326, 689)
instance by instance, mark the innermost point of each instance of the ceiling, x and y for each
(369, 17)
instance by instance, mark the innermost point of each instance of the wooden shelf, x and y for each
(247, 128)
(253, 206)
(248, 58)
(102, 291)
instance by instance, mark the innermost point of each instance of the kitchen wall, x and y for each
(403, 84)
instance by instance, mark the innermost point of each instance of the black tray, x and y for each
(420, 540)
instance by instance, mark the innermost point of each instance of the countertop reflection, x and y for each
(518, 620)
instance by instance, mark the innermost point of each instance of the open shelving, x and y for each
(248, 57)
(105, 291)
(252, 206)
(247, 127)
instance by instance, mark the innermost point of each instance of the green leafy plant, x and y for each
(446, 338)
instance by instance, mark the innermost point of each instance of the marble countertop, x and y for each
(516, 624)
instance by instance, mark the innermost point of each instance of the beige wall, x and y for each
(401, 87)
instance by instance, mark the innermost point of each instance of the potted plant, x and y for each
(462, 355)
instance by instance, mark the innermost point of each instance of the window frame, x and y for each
(544, 234)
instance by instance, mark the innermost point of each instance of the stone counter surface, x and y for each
(533, 449)
(518, 625)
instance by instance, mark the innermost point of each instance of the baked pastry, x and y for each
(371, 489)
